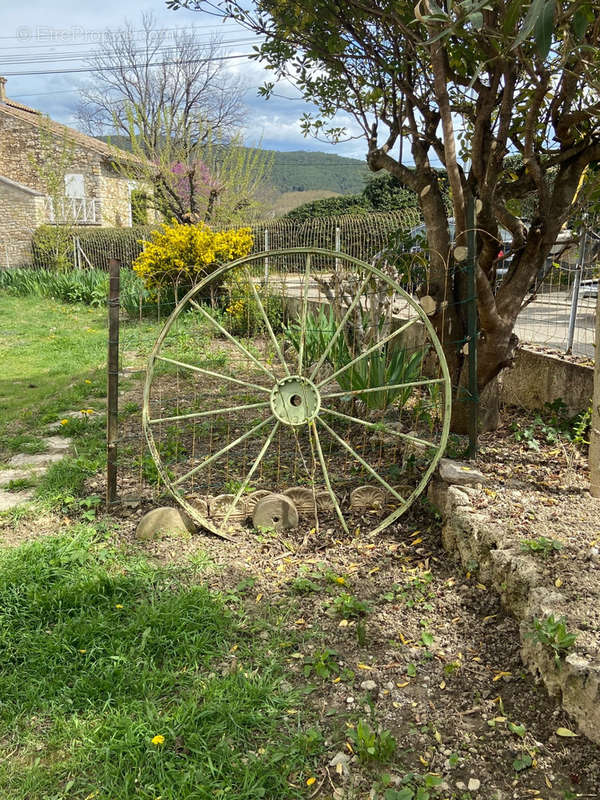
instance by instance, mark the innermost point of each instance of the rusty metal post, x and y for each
(112, 416)
(594, 457)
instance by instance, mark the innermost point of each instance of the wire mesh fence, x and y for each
(560, 313)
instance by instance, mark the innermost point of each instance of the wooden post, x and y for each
(112, 416)
(595, 430)
(472, 332)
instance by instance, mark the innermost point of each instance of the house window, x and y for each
(74, 185)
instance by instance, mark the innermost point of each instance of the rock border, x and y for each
(474, 539)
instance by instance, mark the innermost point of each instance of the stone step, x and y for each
(10, 500)
(8, 475)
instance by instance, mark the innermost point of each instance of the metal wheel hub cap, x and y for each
(295, 400)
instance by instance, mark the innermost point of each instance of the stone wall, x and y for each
(25, 149)
(20, 214)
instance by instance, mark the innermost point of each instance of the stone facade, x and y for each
(99, 195)
(21, 212)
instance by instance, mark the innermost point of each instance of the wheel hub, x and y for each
(295, 400)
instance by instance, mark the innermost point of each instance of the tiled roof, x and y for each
(20, 187)
(12, 109)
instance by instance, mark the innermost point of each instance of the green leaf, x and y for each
(582, 18)
(535, 11)
(518, 729)
(476, 19)
(511, 17)
(544, 27)
(411, 670)
(522, 762)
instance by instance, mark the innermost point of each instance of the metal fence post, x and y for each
(266, 257)
(472, 328)
(594, 456)
(575, 297)
(338, 245)
(112, 416)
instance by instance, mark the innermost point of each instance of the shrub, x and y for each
(181, 255)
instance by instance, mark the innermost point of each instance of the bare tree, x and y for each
(138, 74)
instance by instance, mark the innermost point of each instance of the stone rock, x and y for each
(10, 500)
(277, 512)
(302, 498)
(58, 444)
(162, 522)
(253, 499)
(368, 686)
(372, 497)
(473, 785)
(8, 475)
(35, 460)
(457, 473)
(221, 506)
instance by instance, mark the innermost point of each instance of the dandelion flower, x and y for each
(86, 381)
(64, 422)
(118, 605)
(158, 740)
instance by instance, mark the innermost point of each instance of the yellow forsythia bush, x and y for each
(184, 254)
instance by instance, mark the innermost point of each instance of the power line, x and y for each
(74, 70)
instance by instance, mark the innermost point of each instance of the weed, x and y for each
(552, 633)
(322, 663)
(415, 591)
(415, 787)
(372, 745)
(19, 484)
(348, 606)
(304, 585)
(542, 546)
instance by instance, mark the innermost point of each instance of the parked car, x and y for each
(589, 288)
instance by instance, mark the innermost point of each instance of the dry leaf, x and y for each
(564, 732)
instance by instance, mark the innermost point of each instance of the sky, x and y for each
(39, 36)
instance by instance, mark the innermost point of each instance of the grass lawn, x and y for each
(123, 680)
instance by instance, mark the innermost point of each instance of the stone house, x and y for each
(91, 191)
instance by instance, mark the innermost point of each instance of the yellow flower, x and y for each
(158, 740)
(86, 381)
(64, 422)
(118, 605)
(83, 651)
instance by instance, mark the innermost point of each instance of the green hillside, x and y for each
(303, 170)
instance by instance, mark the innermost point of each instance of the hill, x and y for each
(302, 170)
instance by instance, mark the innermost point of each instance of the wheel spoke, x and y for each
(338, 510)
(377, 426)
(224, 377)
(196, 414)
(361, 460)
(267, 323)
(304, 316)
(377, 346)
(248, 477)
(383, 388)
(340, 327)
(232, 339)
(223, 450)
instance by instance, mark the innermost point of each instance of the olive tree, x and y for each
(464, 85)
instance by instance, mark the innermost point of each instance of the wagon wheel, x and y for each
(329, 378)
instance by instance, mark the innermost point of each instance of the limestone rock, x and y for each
(276, 511)
(35, 460)
(162, 522)
(10, 500)
(302, 498)
(372, 497)
(8, 475)
(457, 473)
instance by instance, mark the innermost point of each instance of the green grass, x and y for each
(102, 653)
